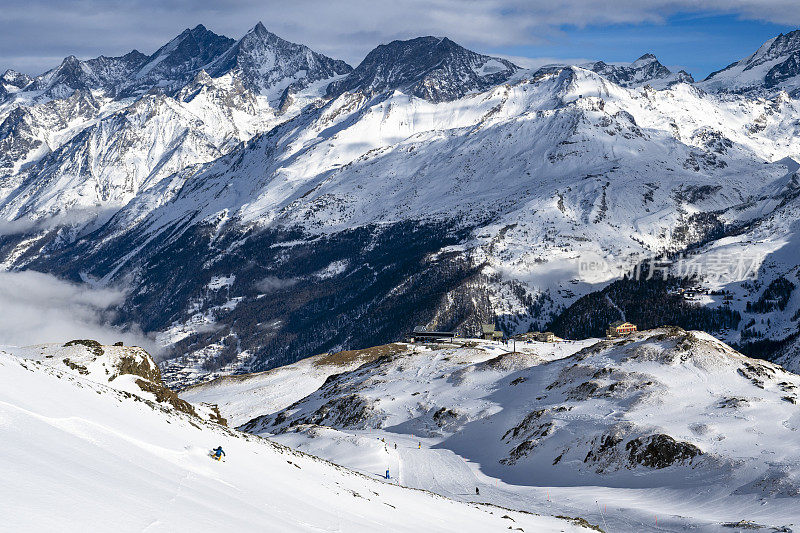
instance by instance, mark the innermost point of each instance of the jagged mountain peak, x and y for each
(774, 48)
(74, 74)
(133, 73)
(10, 75)
(259, 28)
(644, 60)
(775, 66)
(199, 32)
(134, 55)
(65, 78)
(646, 70)
(260, 32)
(176, 62)
(268, 64)
(13, 80)
(197, 46)
(70, 66)
(433, 68)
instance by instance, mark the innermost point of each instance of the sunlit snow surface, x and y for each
(565, 399)
(81, 456)
(553, 172)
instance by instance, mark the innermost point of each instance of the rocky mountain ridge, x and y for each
(436, 69)
(647, 70)
(511, 193)
(774, 66)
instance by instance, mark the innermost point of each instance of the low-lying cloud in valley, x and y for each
(88, 217)
(39, 308)
(274, 284)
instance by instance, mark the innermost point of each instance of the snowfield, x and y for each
(79, 455)
(239, 396)
(666, 423)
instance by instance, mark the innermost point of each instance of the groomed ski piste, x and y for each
(81, 455)
(664, 431)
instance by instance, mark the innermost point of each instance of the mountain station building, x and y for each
(489, 333)
(620, 329)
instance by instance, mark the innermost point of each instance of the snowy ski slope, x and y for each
(666, 424)
(79, 455)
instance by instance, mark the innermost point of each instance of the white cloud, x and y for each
(538, 62)
(93, 217)
(38, 308)
(273, 284)
(344, 29)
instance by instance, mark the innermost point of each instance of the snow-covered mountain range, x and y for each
(646, 70)
(774, 66)
(261, 202)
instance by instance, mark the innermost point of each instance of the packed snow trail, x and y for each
(441, 471)
(572, 402)
(81, 456)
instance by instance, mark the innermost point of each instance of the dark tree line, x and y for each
(775, 296)
(646, 303)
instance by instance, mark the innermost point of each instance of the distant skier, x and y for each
(477, 491)
(218, 453)
(387, 473)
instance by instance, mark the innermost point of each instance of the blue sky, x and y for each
(698, 43)
(36, 35)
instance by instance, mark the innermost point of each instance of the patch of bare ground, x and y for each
(366, 355)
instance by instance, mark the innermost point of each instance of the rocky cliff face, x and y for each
(773, 67)
(646, 70)
(427, 67)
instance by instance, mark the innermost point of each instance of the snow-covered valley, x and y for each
(665, 430)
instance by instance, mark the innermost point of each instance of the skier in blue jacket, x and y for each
(218, 453)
